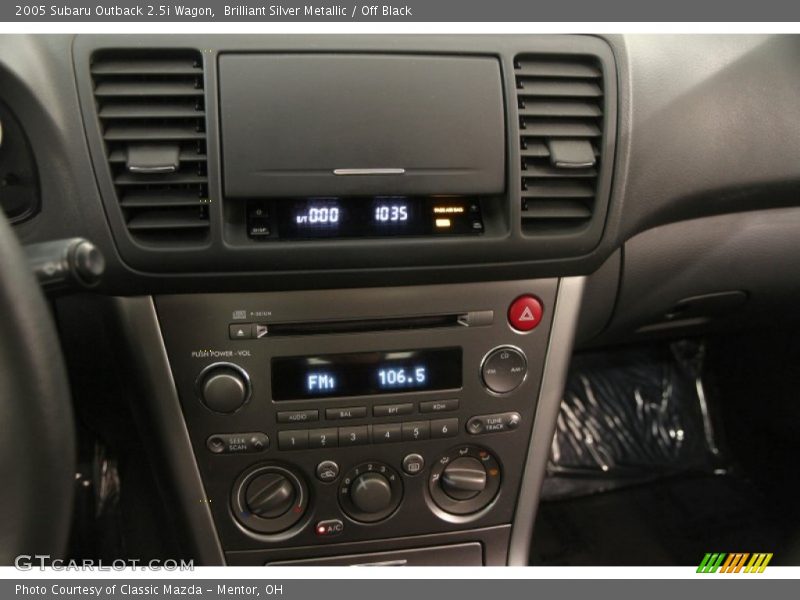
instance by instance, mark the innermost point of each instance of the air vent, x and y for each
(560, 103)
(151, 107)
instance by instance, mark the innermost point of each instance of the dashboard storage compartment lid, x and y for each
(454, 555)
(361, 124)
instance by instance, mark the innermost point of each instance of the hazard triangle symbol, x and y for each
(527, 315)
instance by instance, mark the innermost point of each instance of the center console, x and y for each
(390, 226)
(324, 422)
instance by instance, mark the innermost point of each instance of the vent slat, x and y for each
(558, 88)
(120, 156)
(134, 89)
(115, 133)
(151, 108)
(559, 189)
(558, 128)
(532, 170)
(560, 109)
(550, 108)
(166, 198)
(543, 209)
(134, 110)
(147, 67)
(166, 219)
(562, 69)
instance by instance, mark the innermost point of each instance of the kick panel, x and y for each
(331, 437)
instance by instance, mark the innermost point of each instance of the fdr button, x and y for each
(525, 313)
(504, 369)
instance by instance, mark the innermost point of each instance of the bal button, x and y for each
(525, 313)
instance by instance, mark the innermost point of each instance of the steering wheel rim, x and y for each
(37, 431)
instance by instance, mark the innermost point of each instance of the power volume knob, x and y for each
(223, 387)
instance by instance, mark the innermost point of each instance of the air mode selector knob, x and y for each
(371, 493)
(270, 495)
(464, 482)
(464, 478)
(223, 387)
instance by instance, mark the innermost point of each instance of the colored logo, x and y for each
(737, 562)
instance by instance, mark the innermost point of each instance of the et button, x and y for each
(525, 313)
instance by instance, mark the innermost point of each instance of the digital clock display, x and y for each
(364, 373)
(377, 216)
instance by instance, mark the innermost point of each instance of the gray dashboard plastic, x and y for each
(707, 125)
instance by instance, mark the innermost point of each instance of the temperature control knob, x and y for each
(370, 492)
(464, 478)
(270, 495)
(223, 387)
(269, 498)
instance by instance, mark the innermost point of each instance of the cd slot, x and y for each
(468, 319)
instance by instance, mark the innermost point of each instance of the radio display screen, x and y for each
(365, 373)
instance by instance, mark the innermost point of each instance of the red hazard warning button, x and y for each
(525, 313)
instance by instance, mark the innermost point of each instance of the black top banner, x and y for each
(401, 11)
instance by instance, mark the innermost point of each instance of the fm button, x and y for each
(504, 369)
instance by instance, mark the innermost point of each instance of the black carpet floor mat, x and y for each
(669, 522)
